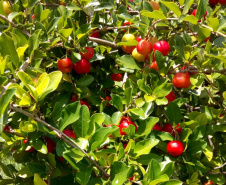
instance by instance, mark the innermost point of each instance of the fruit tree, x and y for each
(112, 92)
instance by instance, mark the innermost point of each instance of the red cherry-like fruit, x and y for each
(181, 80)
(175, 148)
(207, 39)
(117, 77)
(154, 65)
(169, 128)
(69, 133)
(213, 2)
(131, 178)
(74, 98)
(31, 149)
(139, 38)
(65, 65)
(96, 34)
(170, 97)
(108, 98)
(157, 127)
(222, 2)
(209, 183)
(194, 13)
(84, 103)
(88, 54)
(124, 123)
(126, 24)
(51, 145)
(126, 38)
(7, 129)
(110, 126)
(82, 67)
(144, 47)
(162, 46)
(33, 16)
(61, 159)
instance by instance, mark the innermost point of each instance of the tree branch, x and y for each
(103, 42)
(191, 69)
(62, 136)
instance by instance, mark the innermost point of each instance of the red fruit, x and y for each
(175, 148)
(31, 149)
(7, 129)
(131, 178)
(209, 183)
(69, 133)
(125, 145)
(84, 103)
(126, 24)
(139, 38)
(61, 159)
(181, 80)
(51, 145)
(110, 126)
(207, 39)
(144, 47)
(108, 98)
(74, 98)
(33, 16)
(169, 128)
(96, 34)
(154, 65)
(220, 115)
(65, 65)
(82, 67)
(222, 2)
(213, 2)
(170, 97)
(157, 127)
(124, 123)
(162, 46)
(194, 13)
(89, 54)
(117, 77)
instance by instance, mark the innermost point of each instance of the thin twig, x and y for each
(50, 176)
(125, 111)
(103, 42)
(211, 142)
(10, 2)
(192, 70)
(62, 136)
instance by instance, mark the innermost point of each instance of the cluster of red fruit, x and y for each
(215, 2)
(82, 67)
(174, 148)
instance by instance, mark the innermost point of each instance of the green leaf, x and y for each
(55, 78)
(154, 170)
(33, 42)
(146, 126)
(7, 47)
(100, 136)
(190, 18)
(222, 24)
(128, 95)
(187, 6)
(81, 126)
(119, 172)
(69, 115)
(20, 51)
(83, 176)
(3, 120)
(117, 102)
(85, 80)
(38, 180)
(155, 14)
(5, 99)
(73, 6)
(162, 178)
(213, 23)
(6, 170)
(145, 146)
(196, 146)
(162, 89)
(40, 146)
(203, 33)
(201, 10)
(173, 112)
(104, 5)
(173, 7)
(65, 33)
(127, 61)
(42, 84)
(172, 182)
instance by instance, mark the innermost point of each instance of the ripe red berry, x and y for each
(126, 24)
(144, 47)
(124, 123)
(84, 103)
(169, 128)
(139, 38)
(69, 133)
(61, 159)
(209, 183)
(74, 98)
(65, 65)
(207, 39)
(108, 98)
(157, 127)
(154, 65)
(33, 16)
(51, 145)
(181, 80)
(96, 34)
(117, 77)
(131, 178)
(82, 67)
(175, 148)
(7, 129)
(31, 149)
(194, 13)
(222, 2)
(170, 97)
(162, 46)
(213, 2)
(88, 54)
